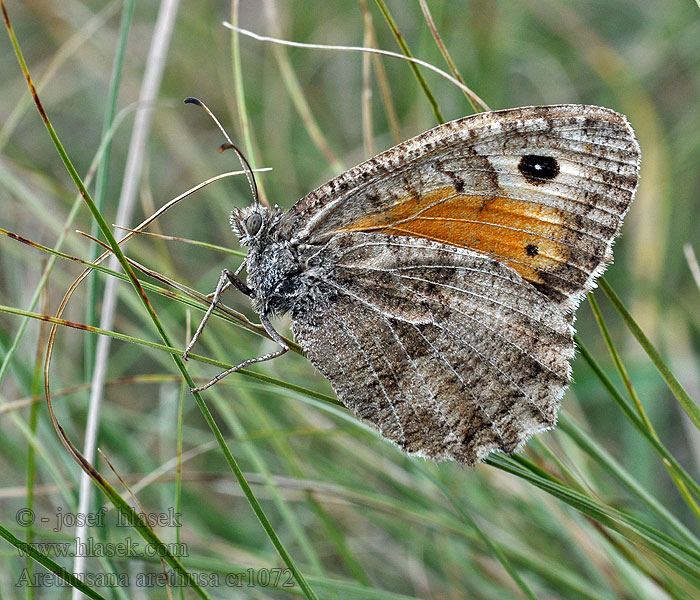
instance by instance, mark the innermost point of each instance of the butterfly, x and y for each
(435, 284)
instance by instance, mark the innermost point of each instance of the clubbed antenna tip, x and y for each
(229, 145)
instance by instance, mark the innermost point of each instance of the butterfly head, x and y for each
(252, 224)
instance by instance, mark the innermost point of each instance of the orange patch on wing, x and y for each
(521, 234)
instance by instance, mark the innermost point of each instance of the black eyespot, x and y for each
(253, 223)
(538, 169)
(532, 250)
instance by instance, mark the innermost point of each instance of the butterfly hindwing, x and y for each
(447, 352)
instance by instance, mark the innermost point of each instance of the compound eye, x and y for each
(253, 224)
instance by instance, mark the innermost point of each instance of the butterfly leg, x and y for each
(227, 279)
(275, 337)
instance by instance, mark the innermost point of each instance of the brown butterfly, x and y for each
(434, 285)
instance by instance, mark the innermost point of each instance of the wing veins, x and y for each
(522, 329)
(375, 309)
(395, 244)
(476, 351)
(487, 419)
(435, 403)
(509, 259)
(544, 237)
(351, 334)
(494, 332)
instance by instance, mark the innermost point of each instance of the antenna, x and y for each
(229, 145)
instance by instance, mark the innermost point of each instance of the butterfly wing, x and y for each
(449, 353)
(541, 189)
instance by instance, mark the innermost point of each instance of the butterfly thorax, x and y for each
(274, 273)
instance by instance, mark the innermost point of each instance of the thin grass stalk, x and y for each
(48, 459)
(362, 49)
(565, 473)
(298, 98)
(283, 450)
(488, 543)
(335, 536)
(471, 98)
(628, 554)
(343, 589)
(684, 560)
(147, 378)
(198, 243)
(444, 524)
(382, 79)
(31, 481)
(597, 453)
(48, 268)
(624, 376)
(66, 51)
(416, 71)
(688, 404)
(31, 464)
(631, 415)
(330, 587)
(682, 488)
(298, 533)
(641, 561)
(103, 170)
(175, 352)
(191, 298)
(692, 261)
(177, 501)
(241, 105)
(142, 511)
(366, 94)
(47, 562)
(108, 124)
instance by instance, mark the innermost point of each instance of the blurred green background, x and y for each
(348, 506)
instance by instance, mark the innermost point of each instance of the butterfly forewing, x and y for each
(541, 189)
